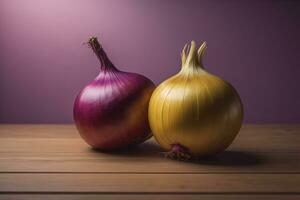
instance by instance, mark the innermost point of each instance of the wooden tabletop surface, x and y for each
(53, 162)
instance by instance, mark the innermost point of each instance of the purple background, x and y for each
(253, 44)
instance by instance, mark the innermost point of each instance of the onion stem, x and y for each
(100, 53)
(190, 57)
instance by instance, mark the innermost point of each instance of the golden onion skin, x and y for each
(194, 109)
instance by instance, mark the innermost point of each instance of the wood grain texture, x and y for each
(36, 147)
(151, 183)
(145, 197)
(65, 138)
(95, 162)
(53, 162)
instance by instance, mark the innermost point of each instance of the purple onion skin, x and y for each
(112, 111)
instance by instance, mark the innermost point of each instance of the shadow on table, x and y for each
(226, 158)
(233, 158)
(145, 149)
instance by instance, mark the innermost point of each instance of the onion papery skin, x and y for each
(195, 113)
(112, 111)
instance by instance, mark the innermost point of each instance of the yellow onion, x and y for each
(194, 113)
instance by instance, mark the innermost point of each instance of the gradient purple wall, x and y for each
(253, 44)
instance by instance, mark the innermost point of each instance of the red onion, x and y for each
(112, 111)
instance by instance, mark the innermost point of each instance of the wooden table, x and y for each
(53, 162)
